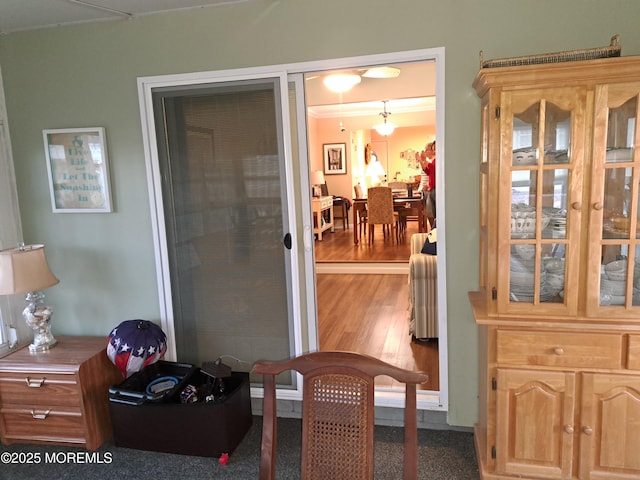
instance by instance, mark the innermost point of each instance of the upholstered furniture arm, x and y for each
(423, 266)
(417, 241)
(423, 291)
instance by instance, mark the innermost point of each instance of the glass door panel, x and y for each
(525, 136)
(620, 264)
(557, 134)
(539, 195)
(540, 198)
(224, 199)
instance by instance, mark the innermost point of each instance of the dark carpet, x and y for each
(443, 455)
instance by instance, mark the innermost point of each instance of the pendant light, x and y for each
(385, 128)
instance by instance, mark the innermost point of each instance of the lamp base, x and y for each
(38, 317)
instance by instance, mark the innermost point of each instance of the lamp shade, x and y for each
(374, 169)
(24, 269)
(385, 128)
(317, 178)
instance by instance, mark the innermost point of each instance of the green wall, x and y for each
(86, 76)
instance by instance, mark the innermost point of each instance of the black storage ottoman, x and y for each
(202, 429)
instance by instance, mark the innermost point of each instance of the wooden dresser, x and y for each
(558, 309)
(58, 397)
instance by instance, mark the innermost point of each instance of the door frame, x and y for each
(293, 73)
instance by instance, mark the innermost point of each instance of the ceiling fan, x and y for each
(342, 81)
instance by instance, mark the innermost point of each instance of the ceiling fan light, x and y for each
(341, 82)
(382, 72)
(385, 128)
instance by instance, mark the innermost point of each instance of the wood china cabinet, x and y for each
(558, 308)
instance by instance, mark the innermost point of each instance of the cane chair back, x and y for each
(337, 415)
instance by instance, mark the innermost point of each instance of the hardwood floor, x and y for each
(338, 247)
(369, 313)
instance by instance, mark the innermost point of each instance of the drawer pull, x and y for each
(587, 430)
(40, 416)
(558, 351)
(34, 383)
(568, 429)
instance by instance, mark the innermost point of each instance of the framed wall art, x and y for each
(77, 170)
(335, 158)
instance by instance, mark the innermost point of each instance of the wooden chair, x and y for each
(398, 188)
(340, 206)
(380, 211)
(337, 415)
(362, 214)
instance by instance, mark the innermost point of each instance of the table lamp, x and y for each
(25, 270)
(317, 179)
(375, 171)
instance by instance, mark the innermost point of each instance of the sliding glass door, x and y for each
(229, 184)
(225, 218)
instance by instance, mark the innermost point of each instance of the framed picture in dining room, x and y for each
(335, 158)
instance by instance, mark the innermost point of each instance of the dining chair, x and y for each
(398, 188)
(340, 206)
(362, 214)
(380, 211)
(337, 415)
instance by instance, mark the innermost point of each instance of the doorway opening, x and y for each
(362, 291)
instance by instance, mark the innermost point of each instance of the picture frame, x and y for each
(78, 171)
(335, 158)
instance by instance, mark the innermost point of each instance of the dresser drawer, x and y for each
(39, 423)
(39, 388)
(579, 350)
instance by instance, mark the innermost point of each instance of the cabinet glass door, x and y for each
(542, 160)
(615, 209)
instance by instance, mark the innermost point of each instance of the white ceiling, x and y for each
(16, 15)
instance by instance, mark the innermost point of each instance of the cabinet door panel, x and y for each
(613, 275)
(610, 427)
(541, 171)
(535, 411)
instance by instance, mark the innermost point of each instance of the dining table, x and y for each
(359, 205)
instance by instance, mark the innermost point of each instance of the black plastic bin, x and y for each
(203, 429)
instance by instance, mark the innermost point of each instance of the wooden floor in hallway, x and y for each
(368, 313)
